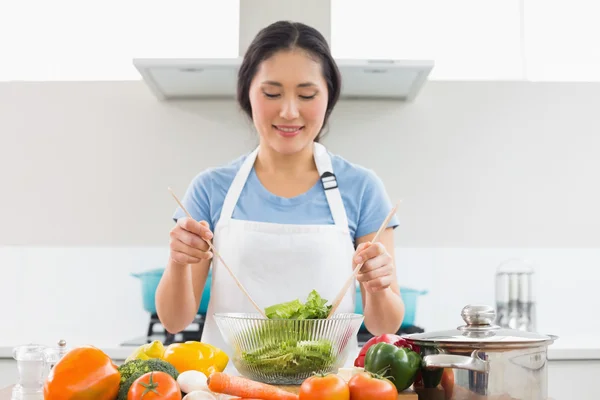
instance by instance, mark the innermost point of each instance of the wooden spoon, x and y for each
(216, 253)
(340, 296)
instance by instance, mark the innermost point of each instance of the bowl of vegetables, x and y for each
(295, 341)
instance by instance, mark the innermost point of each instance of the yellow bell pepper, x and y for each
(149, 350)
(196, 356)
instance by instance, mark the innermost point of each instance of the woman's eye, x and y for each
(276, 95)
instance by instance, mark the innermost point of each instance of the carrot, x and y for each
(220, 382)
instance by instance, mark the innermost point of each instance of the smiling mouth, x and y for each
(288, 130)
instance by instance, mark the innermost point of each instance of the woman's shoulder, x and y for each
(354, 175)
(219, 176)
(207, 189)
(364, 194)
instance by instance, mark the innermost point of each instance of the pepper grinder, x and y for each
(515, 303)
(502, 298)
(53, 355)
(527, 311)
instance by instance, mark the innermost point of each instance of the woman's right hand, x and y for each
(188, 245)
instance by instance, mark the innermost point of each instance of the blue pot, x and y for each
(409, 296)
(150, 280)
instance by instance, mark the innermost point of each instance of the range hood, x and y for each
(210, 78)
(171, 79)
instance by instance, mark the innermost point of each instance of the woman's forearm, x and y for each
(383, 311)
(176, 300)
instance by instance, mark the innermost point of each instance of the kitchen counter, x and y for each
(117, 353)
(582, 347)
(573, 358)
(5, 394)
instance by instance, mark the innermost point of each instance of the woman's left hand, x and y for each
(377, 272)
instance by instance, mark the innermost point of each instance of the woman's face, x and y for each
(289, 99)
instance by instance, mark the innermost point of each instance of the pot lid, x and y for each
(480, 330)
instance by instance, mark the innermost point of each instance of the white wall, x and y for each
(486, 171)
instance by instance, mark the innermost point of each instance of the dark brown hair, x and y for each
(286, 35)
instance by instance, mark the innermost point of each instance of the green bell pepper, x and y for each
(399, 364)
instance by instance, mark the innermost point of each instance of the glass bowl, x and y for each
(287, 351)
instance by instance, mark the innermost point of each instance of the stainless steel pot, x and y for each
(486, 361)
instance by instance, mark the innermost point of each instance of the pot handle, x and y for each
(472, 363)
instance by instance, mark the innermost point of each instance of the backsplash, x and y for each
(87, 295)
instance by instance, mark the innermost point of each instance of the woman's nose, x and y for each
(289, 110)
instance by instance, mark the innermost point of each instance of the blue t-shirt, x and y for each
(363, 194)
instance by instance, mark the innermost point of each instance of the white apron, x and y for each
(277, 263)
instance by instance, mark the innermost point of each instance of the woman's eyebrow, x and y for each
(275, 83)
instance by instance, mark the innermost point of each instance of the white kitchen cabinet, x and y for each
(566, 54)
(573, 379)
(49, 44)
(468, 39)
(8, 372)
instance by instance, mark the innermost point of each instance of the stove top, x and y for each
(194, 332)
(157, 332)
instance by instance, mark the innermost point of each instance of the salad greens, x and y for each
(291, 357)
(287, 348)
(314, 308)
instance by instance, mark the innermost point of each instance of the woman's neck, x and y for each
(271, 162)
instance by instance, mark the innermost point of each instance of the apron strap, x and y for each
(325, 168)
(233, 194)
(332, 191)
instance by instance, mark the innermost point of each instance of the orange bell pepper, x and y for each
(84, 372)
(197, 356)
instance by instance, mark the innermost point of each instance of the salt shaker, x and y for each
(31, 364)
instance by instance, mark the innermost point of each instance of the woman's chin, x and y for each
(289, 145)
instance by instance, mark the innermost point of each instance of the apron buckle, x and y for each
(329, 180)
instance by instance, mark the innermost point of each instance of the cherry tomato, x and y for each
(155, 385)
(366, 386)
(324, 387)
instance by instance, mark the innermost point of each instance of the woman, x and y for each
(289, 217)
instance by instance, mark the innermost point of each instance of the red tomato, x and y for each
(324, 387)
(448, 382)
(154, 385)
(366, 386)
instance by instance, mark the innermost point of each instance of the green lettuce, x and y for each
(314, 308)
(290, 358)
(286, 348)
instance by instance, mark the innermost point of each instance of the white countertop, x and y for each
(116, 352)
(582, 347)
